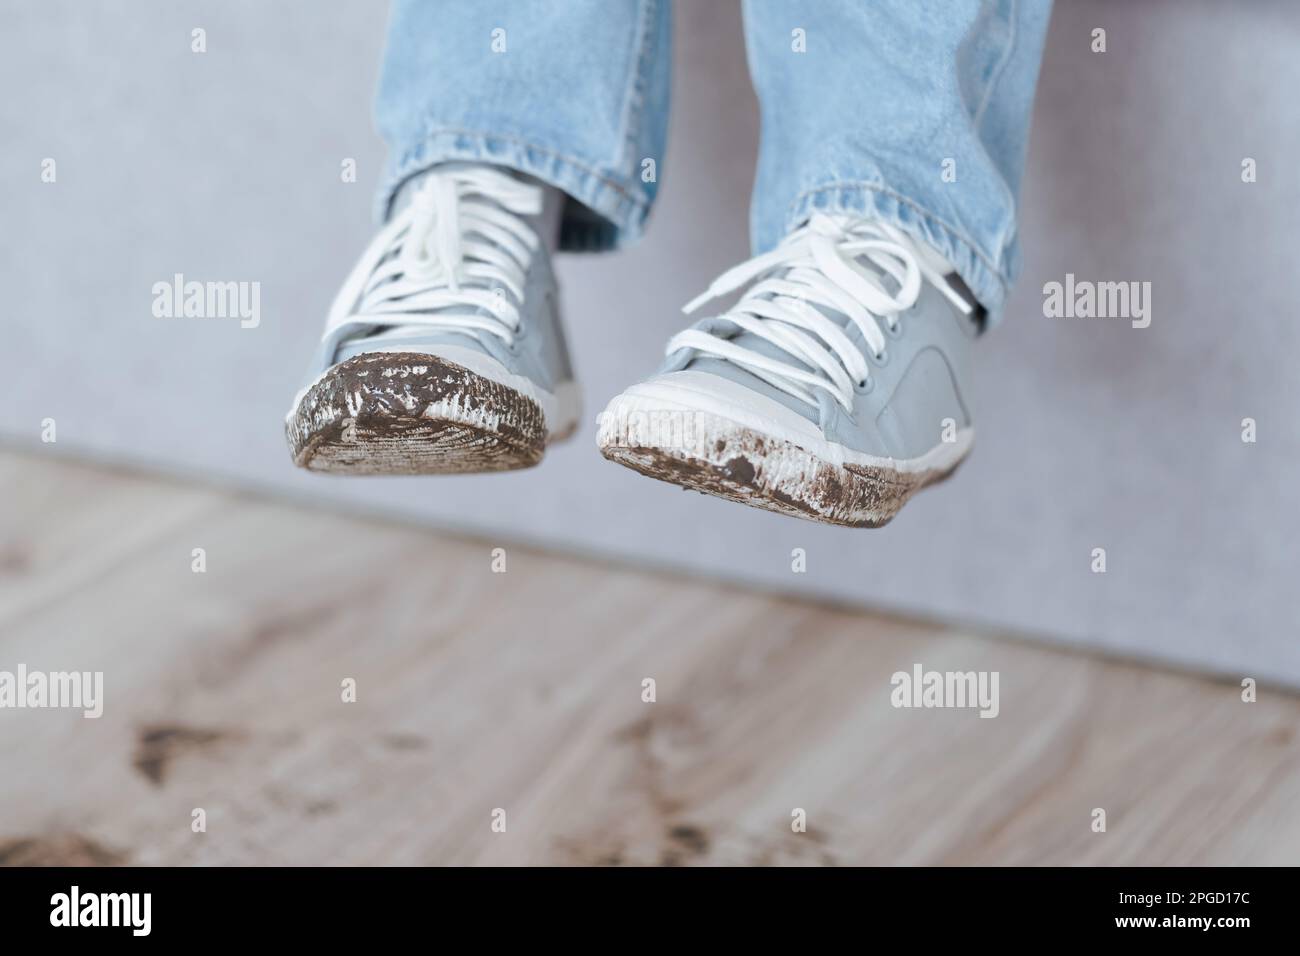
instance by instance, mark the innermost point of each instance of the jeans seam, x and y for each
(978, 119)
(483, 135)
(956, 233)
(634, 100)
(1001, 68)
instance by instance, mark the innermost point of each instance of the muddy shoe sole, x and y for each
(406, 413)
(728, 460)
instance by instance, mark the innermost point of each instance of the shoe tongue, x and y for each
(756, 343)
(408, 189)
(546, 220)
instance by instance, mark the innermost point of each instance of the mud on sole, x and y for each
(407, 413)
(743, 465)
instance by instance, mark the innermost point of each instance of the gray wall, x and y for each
(1090, 433)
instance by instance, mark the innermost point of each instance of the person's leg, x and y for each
(839, 383)
(512, 125)
(915, 113)
(575, 95)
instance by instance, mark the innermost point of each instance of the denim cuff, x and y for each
(987, 273)
(601, 212)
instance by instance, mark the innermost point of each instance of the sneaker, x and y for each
(834, 389)
(443, 351)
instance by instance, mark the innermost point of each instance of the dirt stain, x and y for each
(158, 745)
(684, 843)
(59, 849)
(14, 561)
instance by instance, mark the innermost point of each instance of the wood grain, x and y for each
(522, 691)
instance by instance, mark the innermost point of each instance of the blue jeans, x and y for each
(913, 111)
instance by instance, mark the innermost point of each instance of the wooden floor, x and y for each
(522, 691)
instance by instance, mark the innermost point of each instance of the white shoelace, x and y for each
(448, 259)
(820, 264)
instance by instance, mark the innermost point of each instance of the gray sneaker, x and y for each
(833, 390)
(443, 351)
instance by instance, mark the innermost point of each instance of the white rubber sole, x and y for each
(715, 436)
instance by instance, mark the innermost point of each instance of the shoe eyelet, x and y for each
(864, 387)
(894, 331)
(881, 360)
